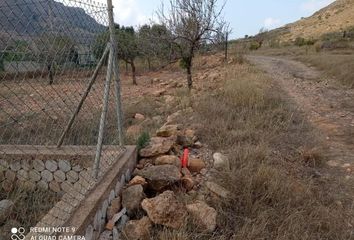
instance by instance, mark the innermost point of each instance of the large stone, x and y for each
(138, 180)
(7, 185)
(64, 165)
(6, 207)
(139, 117)
(10, 175)
(72, 176)
(184, 141)
(203, 215)
(168, 160)
(221, 162)
(51, 165)
(196, 164)
(132, 197)
(138, 229)
(59, 176)
(187, 139)
(160, 177)
(38, 165)
(157, 146)
(191, 134)
(218, 190)
(54, 186)
(47, 176)
(188, 182)
(15, 166)
(168, 131)
(166, 210)
(34, 175)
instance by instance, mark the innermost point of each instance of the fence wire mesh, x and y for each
(48, 53)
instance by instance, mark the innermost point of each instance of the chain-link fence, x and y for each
(59, 108)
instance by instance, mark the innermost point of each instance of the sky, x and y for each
(246, 17)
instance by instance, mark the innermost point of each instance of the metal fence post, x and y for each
(116, 73)
(103, 114)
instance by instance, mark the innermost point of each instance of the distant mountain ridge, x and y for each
(34, 17)
(336, 17)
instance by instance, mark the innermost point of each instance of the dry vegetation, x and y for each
(335, 17)
(275, 191)
(339, 66)
(30, 206)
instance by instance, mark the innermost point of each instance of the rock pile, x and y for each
(159, 192)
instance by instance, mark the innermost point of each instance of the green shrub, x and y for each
(255, 45)
(300, 41)
(143, 140)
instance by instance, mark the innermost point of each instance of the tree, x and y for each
(153, 43)
(128, 48)
(53, 50)
(192, 22)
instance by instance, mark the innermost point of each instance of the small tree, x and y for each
(153, 43)
(128, 48)
(53, 50)
(191, 22)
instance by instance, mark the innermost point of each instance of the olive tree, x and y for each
(153, 43)
(55, 50)
(191, 23)
(128, 47)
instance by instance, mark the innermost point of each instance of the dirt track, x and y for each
(328, 106)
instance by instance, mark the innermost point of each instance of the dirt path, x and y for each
(328, 107)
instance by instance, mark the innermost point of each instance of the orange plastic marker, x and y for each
(184, 158)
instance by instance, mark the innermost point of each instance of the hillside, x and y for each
(25, 18)
(338, 16)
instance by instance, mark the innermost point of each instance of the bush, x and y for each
(143, 140)
(300, 41)
(303, 42)
(255, 46)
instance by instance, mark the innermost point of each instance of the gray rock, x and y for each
(132, 197)
(218, 190)
(157, 146)
(138, 229)
(221, 162)
(166, 210)
(203, 215)
(160, 177)
(6, 207)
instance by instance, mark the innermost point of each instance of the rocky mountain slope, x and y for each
(34, 17)
(337, 16)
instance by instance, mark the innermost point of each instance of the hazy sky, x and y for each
(245, 16)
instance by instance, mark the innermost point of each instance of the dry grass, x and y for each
(274, 192)
(339, 66)
(336, 63)
(30, 207)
